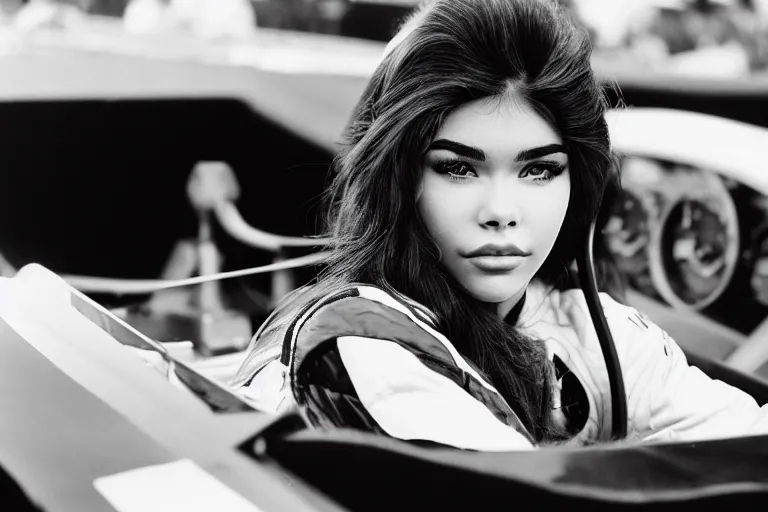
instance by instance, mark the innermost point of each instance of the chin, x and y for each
(494, 289)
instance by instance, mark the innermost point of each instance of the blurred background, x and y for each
(696, 37)
(107, 107)
(699, 37)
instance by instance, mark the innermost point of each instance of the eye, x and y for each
(542, 171)
(456, 170)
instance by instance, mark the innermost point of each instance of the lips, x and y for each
(495, 250)
(497, 258)
(496, 264)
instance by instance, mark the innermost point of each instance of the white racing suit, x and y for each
(363, 358)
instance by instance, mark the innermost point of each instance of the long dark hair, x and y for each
(459, 51)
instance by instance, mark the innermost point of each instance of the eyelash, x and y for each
(445, 167)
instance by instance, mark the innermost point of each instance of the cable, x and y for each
(233, 223)
(588, 280)
(143, 286)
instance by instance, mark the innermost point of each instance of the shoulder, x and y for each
(308, 318)
(356, 309)
(364, 311)
(570, 307)
(367, 313)
(383, 350)
(635, 336)
(646, 354)
(562, 319)
(349, 300)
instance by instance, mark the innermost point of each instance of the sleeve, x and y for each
(410, 401)
(669, 400)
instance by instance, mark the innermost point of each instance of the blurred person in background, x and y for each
(635, 33)
(8, 9)
(210, 19)
(716, 38)
(51, 14)
(751, 20)
(146, 16)
(608, 21)
(719, 44)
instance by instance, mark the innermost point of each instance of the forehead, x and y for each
(500, 124)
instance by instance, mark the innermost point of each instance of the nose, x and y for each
(500, 207)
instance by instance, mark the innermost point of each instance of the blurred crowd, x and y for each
(206, 18)
(724, 38)
(701, 37)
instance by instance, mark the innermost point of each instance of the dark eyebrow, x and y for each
(479, 155)
(459, 149)
(531, 154)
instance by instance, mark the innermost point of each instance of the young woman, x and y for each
(475, 157)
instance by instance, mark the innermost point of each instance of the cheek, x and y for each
(436, 206)
(550, 213)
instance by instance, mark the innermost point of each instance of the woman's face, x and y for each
(493, 196)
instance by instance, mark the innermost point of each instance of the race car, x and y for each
(95, 426)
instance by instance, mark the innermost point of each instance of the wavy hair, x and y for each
(458, 51)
